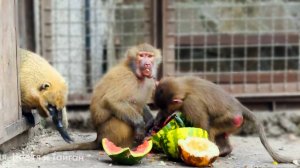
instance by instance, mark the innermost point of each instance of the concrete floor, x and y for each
(248, 152)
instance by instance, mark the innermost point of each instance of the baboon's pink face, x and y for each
(144, 62)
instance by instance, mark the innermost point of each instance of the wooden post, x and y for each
(10, 99)
(1, 81)
(27, 30)
(1, 78)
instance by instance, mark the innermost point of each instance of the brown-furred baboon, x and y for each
(208, 106)
(119, 101)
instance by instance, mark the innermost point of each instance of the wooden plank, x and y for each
(18, 60)
(1, 79)
(10, 91)
(1, 102)
(11, 121)
(79, 99)
(248, 77)
(239, 39)
(16, 128)
(263, 89)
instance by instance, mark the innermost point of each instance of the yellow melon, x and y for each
(198, 151)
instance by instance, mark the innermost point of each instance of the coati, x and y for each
(44, 89)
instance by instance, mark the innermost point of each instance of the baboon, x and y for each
(44, 89)
(208, 106)
(119, 101)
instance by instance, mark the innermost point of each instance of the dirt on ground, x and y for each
(248, 152)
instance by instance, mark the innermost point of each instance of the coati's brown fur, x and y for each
(35, 74)
(119, 101)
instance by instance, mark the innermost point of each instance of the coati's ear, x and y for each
(44, 86)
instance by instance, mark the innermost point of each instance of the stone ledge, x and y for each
(275, 123)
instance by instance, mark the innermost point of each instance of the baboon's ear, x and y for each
(44, 86)
(177, 101)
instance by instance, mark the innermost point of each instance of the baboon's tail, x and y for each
(69, 147)
(278, 158)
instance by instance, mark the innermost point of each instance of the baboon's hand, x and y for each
(139, 135)
(149, 125)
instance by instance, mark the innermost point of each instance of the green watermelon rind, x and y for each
(156, 138)
(169, 142)
(177, 122)
(125, 155)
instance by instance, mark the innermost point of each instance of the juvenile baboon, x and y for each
(208, 106)
(119, 101)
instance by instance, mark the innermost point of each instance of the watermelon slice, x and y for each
(126, 155)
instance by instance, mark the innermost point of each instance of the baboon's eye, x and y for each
(44, 86)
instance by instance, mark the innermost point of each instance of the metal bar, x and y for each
(160, 24)
(87, 43)
(286, 68)
(192, 44)
(272, 52)
(69, 39)
(218, 60)
(167, 40)
(245, 57)
(46, 43)
(150, 25)
(298, 77)
(232, 55)
(178, 59)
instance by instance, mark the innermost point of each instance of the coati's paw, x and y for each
(29, 118)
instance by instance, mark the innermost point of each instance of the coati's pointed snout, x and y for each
(57, 120)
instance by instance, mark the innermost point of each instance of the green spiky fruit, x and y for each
(125, 155)
(169, 142)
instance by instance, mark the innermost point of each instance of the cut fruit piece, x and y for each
(197, 151)
(125, 155)
(169, 142)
